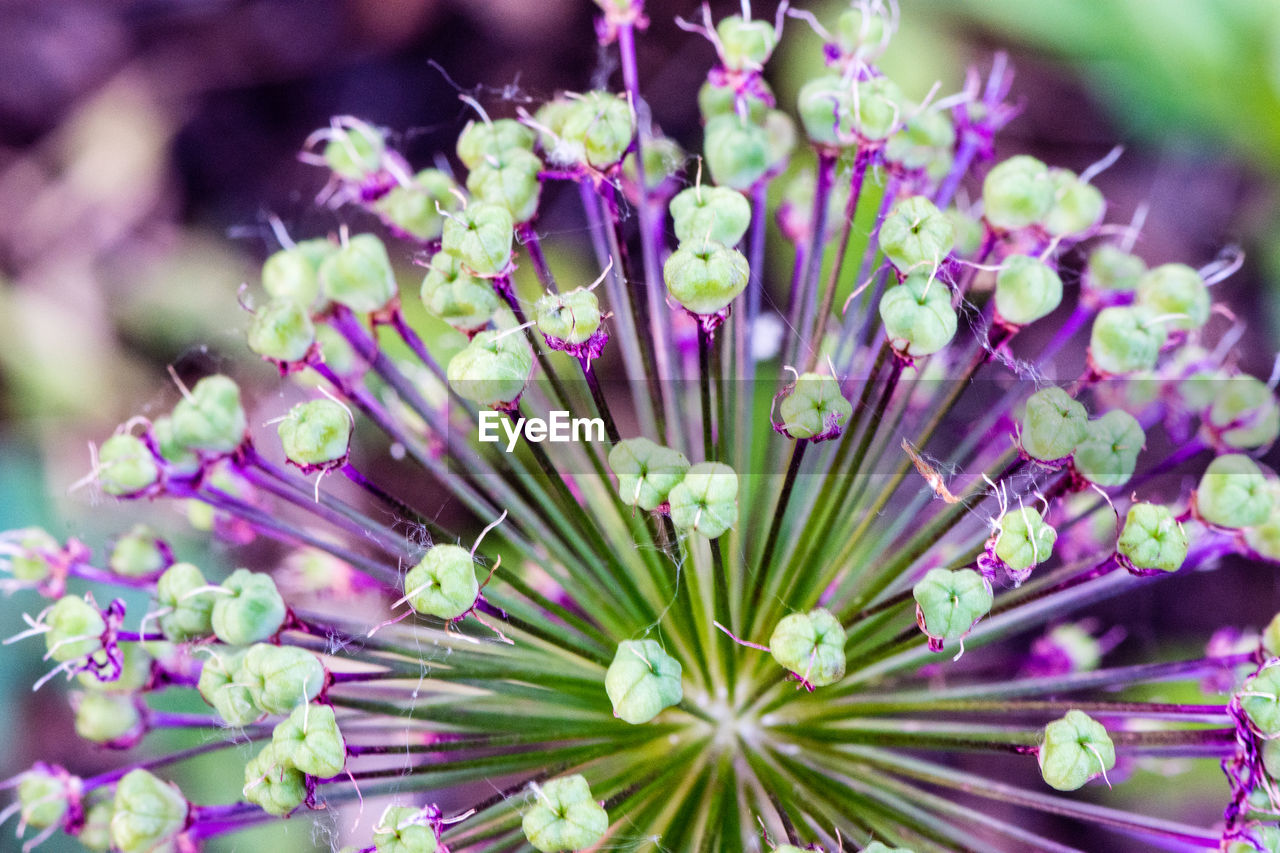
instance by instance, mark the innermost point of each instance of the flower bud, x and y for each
(710, 213)
(1075, 749)
(738, 152)
(1175, 289)
(811, 645)
(310, 741)
(281, 331)
(1125, 339)
(918, 317)
(642, 681)
(1244, 413)
(568, 318)
(273, 784)
(456, 296)
(414, 209)
(355, 150)
(492, 370)
(359, 275)
(1077, 206)
(1233, 492)
(253, 612)
(1152, 539)
(706, 500)
(509, 179)
(316, 434)
(30, 563)
(126, 466)
(598, 128)
(293, 274)
(925, 143)
(280, 678)
(43, 795)
(222, 687)
(481, 236)
(745, 44)
(646, 472)
(443, 583)
(481, 140)
(1025, 540)
(1260, 700)
(1027, 289)
(75, 629)
(190, 613)
(949, 603)
(824, 105)
(1052, 425)
(148, 813)
(210, 418)
(705, 276)
(815, 409)
(564, 816)
(1112, 268)
(139, 553)
(1017, 192)
(915, 234)
(1108, 453)
(106, 717)
(403, 830)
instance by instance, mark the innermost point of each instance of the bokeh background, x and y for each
(145, 143)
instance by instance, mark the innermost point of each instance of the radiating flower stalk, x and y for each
(738, 624)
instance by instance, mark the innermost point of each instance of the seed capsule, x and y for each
(1233, 492)
(811, 645)
(280, 678)
(1126, 339)
(316, 434)
(481, 140)
(443, 583)
(1024, 540)
(481, 236)
(1108, 453)
(509, 179)
(710, 213)
(738, 152)
(1112, 268)
(1027, 289)
(211, 419)
(1178, 291)
(915, 234)
(126, 466)
(815, 409)
(148, 813)
(1075, 749)
(453, 294)
(1244, 413)
(309, 740)
(359, 275)
(598, 128)
(1017, 192)
(642, 681)
(949, 603)
(221, 687)
(190, 613)
(1077, 206)
(646, 472)
(1152, 539)
(282, 331)
(564, 816)
(415, 209)
(492, 370)
(745, 44)
(706, 500)
(402, 830)
(1052, 425)
(273, 784)
(705, 276)
(253, 612)
(918, 317)
(75, 629)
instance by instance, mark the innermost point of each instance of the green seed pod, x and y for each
(138, 553)
(179, 458)
(646, 472)
(359, 275)
(443, 583)
(745, 44)
(211, 418)
(95, 834)
(355, 150)
(815, 408)
(1260, 700)
(878, 109)
(1052, 425)
(126, 466)
(737, 152)
(1027, 289)
(1075, 749)
(1025, 540)
(280, 678)
(599, 126)
(663, 159)
(564, 816)
(1175, 289)
(825, 108)
(1233, 492)
(415, 208)
(916, 234)
(190, 613)
(42, 796)
(918, 317)
(1108, 453)
(926, 143)
(273, 784)
(106, 717)
(949, 603)
(706, 500)
(1271, 638)
(1152, 539)
(969, 231)
(30, 564)
(1017, 192)
(148, 813)
(402, 830)
(310, 741)
(571, 317)
(75, 629)
(780, 131)
(481, 140)
(253, 612)
(135, 672)
(642, 681)
(292, 275)
(509, 179)
(335, 350)
(811, 645)
(456, 296)
(710, 213)
(481, 236)
(1264, 538)
(1077, 206)
(705, 276)
(720, 97)
(282, 331)
(316, 434)
(860, 30)
(491, 370)
(222, 686)
(1112, 268)
(1244, 413)
(1125, 339)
